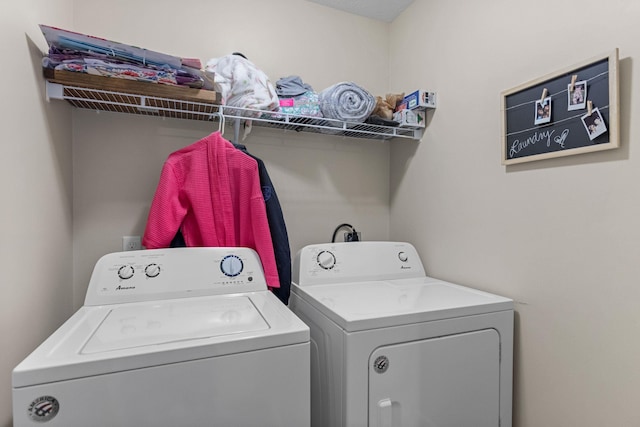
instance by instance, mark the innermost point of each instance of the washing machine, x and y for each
(391, 346)
(171, 337)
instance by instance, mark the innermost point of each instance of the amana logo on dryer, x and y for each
(44, 408)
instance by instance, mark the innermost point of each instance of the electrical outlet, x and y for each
(352, 237)
(131, 243)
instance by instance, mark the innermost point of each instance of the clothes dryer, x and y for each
(171, 337)
(394, 347)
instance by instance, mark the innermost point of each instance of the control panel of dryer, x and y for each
(174, 273)
(356, 261)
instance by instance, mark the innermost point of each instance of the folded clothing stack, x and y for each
(297, 97)
(70, 51)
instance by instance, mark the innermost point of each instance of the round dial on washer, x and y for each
(403, 256)
(125, 272)
(152, 270)
(231, 265)
(326, 260)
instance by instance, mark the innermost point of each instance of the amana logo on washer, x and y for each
(44, 408)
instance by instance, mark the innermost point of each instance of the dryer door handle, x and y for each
(385, 412)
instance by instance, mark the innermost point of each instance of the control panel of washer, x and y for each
(356, 261)
(174, 273)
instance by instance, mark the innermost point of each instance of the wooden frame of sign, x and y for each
(571, 111)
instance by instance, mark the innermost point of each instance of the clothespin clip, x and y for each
(573, 82)
(589, 107)
(544, 94)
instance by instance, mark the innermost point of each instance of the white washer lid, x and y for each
(130, 326)
(376, 304)
(99, 340)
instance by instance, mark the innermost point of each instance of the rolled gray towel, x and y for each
(346, 101)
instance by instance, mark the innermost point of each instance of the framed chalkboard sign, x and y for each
(571, 111)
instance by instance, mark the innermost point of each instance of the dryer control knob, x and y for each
(402, 256)
(125, 272)
(326, 260)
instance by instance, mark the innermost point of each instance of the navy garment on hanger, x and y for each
(278, 229)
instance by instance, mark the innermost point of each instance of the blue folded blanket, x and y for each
(346, 101)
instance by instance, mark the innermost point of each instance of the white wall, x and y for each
(35, 218)
(558, 236)
(321, 181)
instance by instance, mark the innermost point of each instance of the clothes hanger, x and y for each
(221, 122)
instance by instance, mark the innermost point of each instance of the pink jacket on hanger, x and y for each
(211, 192)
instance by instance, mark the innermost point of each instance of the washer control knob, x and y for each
(326, 260)
(152, 270)
(402, 256)
(231, 265)
(125, 272)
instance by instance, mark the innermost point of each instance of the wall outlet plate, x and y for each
(131, 243)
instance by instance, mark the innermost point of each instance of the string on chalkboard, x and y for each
(554, 95)
(554, 123)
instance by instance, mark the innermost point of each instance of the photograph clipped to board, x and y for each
(594, 123)
(543, 111)
(577, 96)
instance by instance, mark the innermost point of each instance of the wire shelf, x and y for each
(132, 103)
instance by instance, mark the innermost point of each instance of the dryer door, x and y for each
(451, 381)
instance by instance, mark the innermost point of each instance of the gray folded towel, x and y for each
(292, 86)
